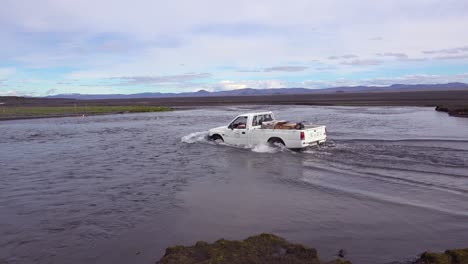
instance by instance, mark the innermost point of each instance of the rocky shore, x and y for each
(271, 249)
(453, 110)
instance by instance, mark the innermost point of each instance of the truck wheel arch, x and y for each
(215, 137)
(276, 140)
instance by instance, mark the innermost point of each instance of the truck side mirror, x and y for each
(230, 127)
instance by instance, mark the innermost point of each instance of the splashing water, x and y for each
(202, 137)
(196, 137)
(265, 148)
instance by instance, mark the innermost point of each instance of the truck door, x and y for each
(236, 133)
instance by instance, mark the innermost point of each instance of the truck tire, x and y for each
(217, 137)
(275, 142)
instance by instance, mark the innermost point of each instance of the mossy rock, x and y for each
(454, 256)
(458, 256)
(260, 249)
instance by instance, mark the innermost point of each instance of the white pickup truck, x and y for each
(256, 128)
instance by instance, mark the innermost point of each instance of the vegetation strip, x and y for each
(48, 111)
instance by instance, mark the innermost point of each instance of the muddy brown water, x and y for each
(390, 183)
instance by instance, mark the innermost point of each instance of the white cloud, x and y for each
(347, 56)
(11, 93)
(286, 69)
(397, 55)
(447, 51)
(368, 62)
(233, 85)
(452, 57)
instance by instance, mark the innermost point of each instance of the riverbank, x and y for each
(66, 107)
(453, 110)
(31, 112)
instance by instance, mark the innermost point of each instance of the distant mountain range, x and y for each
(276, 91)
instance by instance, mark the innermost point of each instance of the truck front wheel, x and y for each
(217, 138)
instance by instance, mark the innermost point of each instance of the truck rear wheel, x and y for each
(276, 142)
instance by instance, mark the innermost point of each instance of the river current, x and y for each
(390, 183)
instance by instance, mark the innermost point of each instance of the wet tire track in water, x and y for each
(393, 179)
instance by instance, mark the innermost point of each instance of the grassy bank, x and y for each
(57, 111)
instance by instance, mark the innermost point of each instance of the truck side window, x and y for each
(239, 123)
(260, 119)
(254, 121)
(268, 118)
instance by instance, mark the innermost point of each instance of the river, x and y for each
(390, 183)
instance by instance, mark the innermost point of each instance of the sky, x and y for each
(110, 46)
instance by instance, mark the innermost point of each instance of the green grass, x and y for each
(78, 110)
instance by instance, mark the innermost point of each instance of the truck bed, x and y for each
(293, 138)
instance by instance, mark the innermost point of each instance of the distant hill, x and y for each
(276, 91)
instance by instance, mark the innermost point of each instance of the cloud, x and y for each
(347, 56)
(134, 80)
(64, 83)
(259, 84)
(376, 38)
(241, 29)
(415, 59)
(368, 62)
(393, 54)
(452, 57)
(286, 69)
(10, 93)
(325, 68)
(249, 71)
(276, 69)
(447, 51)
